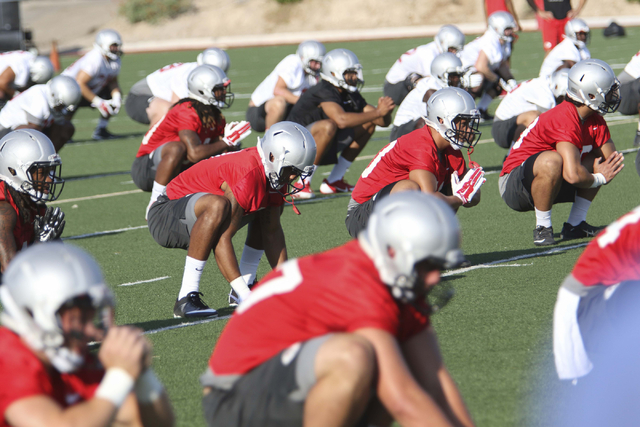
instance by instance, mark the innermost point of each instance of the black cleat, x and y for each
(578, 231)
(103, 134)
(193, 306)
(543, 236)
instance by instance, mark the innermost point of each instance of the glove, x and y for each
(50, 225)
(116, 102)
(509, 85)
(469, 186)
(105, 108)
(235, 132)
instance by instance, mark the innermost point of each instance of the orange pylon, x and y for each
(54, 57)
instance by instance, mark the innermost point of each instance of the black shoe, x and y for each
(578, 231)
(193, 306)
(636, 142)
(543, 236)
(485, 116)
(103, 134)
(234, 300)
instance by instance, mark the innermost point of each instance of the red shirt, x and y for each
(393, 163)
(495, 6)
(241, 170)
(23, 232)
(23, 375)
(180, 117)
(614, 255)
(334, 291)
(561, 123)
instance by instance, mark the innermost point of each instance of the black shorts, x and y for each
(171, 221)
(398, 131)
(515, 187)
(143, 169)
(396, 91)
(358, 214)
(629, 97)
(256, 116)
(341, 140)
(104, 93)
(137, 102)
(503, 131)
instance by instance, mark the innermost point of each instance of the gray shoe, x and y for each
(193, 306)
(543, 236)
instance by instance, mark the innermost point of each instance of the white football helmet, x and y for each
(336, 63)
(447, 65)
(287, 144)
(311, 50)
(499, 22)
(107, 38)
(63, 94)
(40, 70)
(558, 82)
(446, 109)
(575, 26)
(593, 83)
(214, 56)
(406, 228)
(40, 281)
(22, 153)
(449, 36)
(203, 83)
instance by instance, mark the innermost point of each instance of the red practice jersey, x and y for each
(614, 255)
(22, 233)
(335, 291)
(241, 170)
(393, 163)
(180, 117)
(492, 6)
(23, 375)
(561, 123)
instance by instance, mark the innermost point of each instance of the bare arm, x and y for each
(576, 174)
(482, 65)
(543, 14)
(281, 89)
(224, 253)
(272, 235)
(6, 83)
(197, 151)
(348, 120)
(566, 64)
(383, 121)
(30, 126)
(512, 11)
(429, 184)
(114, 86)
(132, 413)
(83, 81)
(504, 70)
(8, 219)
(575, 12)
(427, 95)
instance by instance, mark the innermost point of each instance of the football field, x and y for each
(495, 334)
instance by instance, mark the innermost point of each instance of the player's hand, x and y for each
(49, 226)
(116, 102)
(235, 132)
(126, 348)
(545, 14)
(104, 107)
(508, 85)
(466, 188)
(385, 105)
(610, 167)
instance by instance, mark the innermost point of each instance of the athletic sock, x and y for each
(249, 262)
(157, 191)
(191, 277)
(102, 123)
(338, 171)
(484, 102)
(579, 211)
(638, 125)
(543, 218)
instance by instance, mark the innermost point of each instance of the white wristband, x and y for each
(115, 386)
(148, 387)
(96, 100)
(598, 180)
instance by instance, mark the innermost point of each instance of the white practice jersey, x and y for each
(292, 72)
(171, 78)
(564, 51)
(413, 107)
(416, 60)
(31, 106)
(633, 67)
(531, 95)
(489, 43)
(101, 70)
(19, 61)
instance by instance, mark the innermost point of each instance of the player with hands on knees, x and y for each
(55, 303)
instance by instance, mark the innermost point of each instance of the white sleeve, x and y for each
(90, 63)
(291, 71)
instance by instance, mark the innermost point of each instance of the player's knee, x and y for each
(212, 208)
(405, 185)
(326, 127)
(356, 355)
(174, 151)
(276, 105)
(550, 164)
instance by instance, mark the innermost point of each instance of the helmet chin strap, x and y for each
(472, 164)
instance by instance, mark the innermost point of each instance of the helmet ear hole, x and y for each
(12, 171)
(271, 158)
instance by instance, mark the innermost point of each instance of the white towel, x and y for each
(568, 349)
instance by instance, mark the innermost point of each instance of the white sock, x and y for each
(191, 277)
(579, 211)
(484, 102)
(307, 180)
(102, 123)
(339, 170)
(543, 218)
(240, 286)
(249, 262)
(156, 192)
(638, 125)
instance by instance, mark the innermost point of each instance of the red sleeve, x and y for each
(600, 132)
(189, 120)
(424, 160)
(248, 190)
(456, 161)
(21, 376)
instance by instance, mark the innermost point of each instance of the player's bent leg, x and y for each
(547, 179)
(156, 110)
(323, 132)
(172, 155)
(60, 133)
(358, 213)
(212, 214)
(276, 110)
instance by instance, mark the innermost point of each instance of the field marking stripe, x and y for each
(184, 325)
(145, 281)
(102, 233)
(97, 196)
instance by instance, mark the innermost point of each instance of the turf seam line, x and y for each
(145, 281)
(184, 325)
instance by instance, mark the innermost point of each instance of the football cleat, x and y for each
(579, 231)
(543, 236)
(636, 141)
(102, 134)
(340, 186)
(234, 301)
(193, 306)
(305, 193)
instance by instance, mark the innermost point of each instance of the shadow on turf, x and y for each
(488, 257)
(163, 323)
(119, 136)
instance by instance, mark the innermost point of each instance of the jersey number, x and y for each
(612, 232)
(290, 279)
(525, 133)
(379, 157)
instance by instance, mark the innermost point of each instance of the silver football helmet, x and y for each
(558, 82)
(107, 38)
(336, 63)
(29, 163)
(406, 228)
(445, 66)
(40, 70)
(575, 26)
(63, 94)
(449, 37)
(214, 56)
(499, 22)
(287, 145)
(211, 86)
(593, 83)
(40, 281)
(311, 50)
(453, 113)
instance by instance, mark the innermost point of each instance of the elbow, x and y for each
(572, 178)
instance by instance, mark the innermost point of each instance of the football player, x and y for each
(55, 303)
(205, 206)
(150, 98)
(552, 17)
(352, 343)
(45, 108)
(630, 92)
(97, 74)
(571, 50)
(416, 63)
(273, 99)
(339, 119)
(192, 130)
(29, 177)
(525, 103)
(446, 71)
(428, 159)
(566, 154)
(19, 70)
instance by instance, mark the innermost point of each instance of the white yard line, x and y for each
(102, 233)
(157, 279)
(97, 196)
(184, 325)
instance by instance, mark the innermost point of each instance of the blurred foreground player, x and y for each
(351, 343)
(55, 303)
